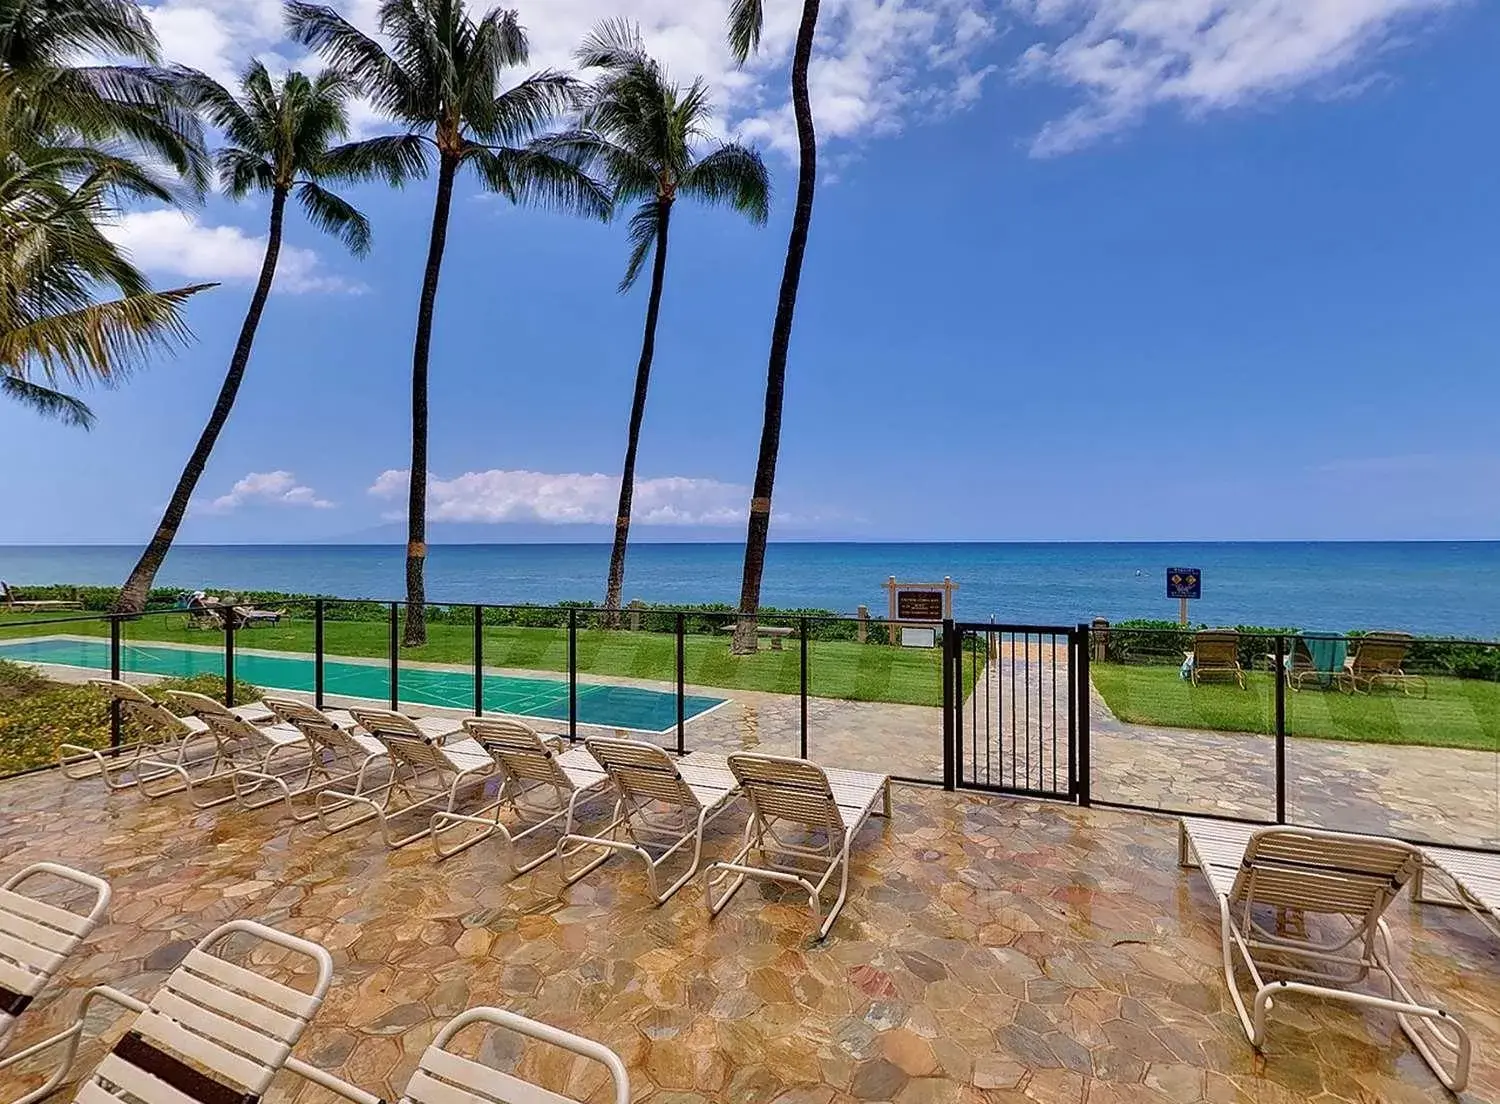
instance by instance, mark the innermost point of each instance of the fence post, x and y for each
(478, 661)
(114, 673)
(318, 653)
(950, 757)
(802, 634)
(1280, 729)
(1081, 713)
(573, 673)
(229, 657)
(681, 683)
(393, 650)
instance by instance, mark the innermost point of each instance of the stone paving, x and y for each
(993, 951)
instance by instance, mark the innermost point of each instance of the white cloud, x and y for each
(274, 488)
(572, 498)
(177, 243)
(1127, 56)
(216, 36)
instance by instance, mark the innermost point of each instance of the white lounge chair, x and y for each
(215, 1030)
(432, 763)
(531, 767)
(342, 753)
(694, 791)
(830, 806)
(162, 735)
(203, 706)
(1473, 878)
(37, 936)
(1320, 874)
(256, 751)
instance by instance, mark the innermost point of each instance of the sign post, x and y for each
(1185, 584)
(923, 603)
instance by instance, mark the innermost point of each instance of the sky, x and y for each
(1079, 269)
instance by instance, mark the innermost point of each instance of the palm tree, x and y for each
(745, 20)
(642, 132)
(278, 139)
(442, 79)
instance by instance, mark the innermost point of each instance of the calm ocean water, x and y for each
(1438, 588)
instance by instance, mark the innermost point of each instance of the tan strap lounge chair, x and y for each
(12, 601)
(1348, 878)
(37, 936)
(1378, 658)
(246, 756)
(161, 735)
(659, 804)
(540, 784)
(1472, 877)
(1216, 654)
(432, 765)
(827, 807)
(342, 754)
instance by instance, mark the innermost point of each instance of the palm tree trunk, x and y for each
(616, 581)
(415, 632)
(138, 586)
(781, 338)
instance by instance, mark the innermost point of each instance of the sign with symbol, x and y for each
(1184, 582)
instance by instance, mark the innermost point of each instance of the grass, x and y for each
(836, 669)
(1457, 713)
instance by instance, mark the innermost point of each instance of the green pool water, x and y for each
(626, 707)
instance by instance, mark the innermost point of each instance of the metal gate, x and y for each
(1010, 692)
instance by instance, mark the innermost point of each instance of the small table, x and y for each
(777, 633)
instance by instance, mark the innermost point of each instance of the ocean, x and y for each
(1439, 588)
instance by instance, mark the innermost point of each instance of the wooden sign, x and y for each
(923, 603)
(919, 605)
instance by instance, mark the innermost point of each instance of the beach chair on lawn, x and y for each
(1325, 874)
(828, 807)
(162, 735)
(13, 601)
(540, 784)
(37, 937)
(1472, 878)
(432, 764)
(247, 756)
(342, 754)
(1378, 658)
(1216, 654)
(659, 804)
(215, 1032)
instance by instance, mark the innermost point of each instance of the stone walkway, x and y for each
(994, 951)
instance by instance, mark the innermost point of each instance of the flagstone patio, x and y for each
(993, 950)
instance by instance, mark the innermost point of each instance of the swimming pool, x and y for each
(599, 704)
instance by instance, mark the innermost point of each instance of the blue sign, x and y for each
(1184, 582)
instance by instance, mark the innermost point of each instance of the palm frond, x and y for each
(524, 110)
(534, 177)
(334, 215)
(217, 104)
(394, 158)
(733, 175)
(47, 401)
(644, 226)
(242, 172)
(746, 19)
(611, 44)
(356, 54)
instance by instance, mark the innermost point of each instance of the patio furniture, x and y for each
(13, 601)
(202, 706)
(341, 752)
(532, 771)
(247, 617)
(1317, 657)
(1216, 653)
(1378, 657)
(216, 1031)
(1473, 878)
(37, 937)
(828, 807)
(163, 736)
(246, 755)
(659, 802)
(431, 765)
(1318, 874)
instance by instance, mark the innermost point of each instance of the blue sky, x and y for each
(1079, 269)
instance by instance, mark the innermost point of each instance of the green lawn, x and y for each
(1460, 713)
(836, 669)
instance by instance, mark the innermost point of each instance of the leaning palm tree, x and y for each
(643, 133)
(279, 141)
(443, 80)
(745, 21)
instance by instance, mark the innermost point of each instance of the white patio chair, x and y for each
(532, 769)
(1316, 873)
(1473, 878)
(829, 806)
(37, 937)
(342, 753)
(258, 751)
(659, 802)
(432, 763)
(161, 734)
(215, 1031)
